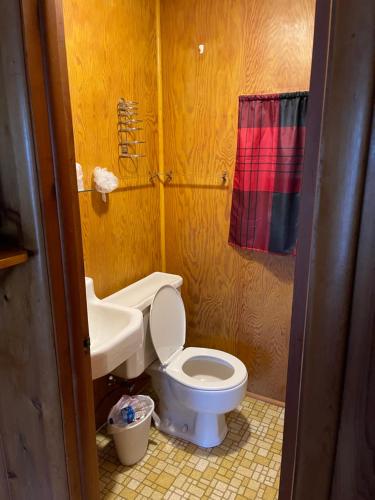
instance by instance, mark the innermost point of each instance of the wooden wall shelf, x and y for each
(12, 257)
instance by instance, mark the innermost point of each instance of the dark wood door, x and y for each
(354, 474)
(329, 406)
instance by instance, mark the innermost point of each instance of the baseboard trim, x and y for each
(265, 399)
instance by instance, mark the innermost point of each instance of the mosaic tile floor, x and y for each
(245, 466)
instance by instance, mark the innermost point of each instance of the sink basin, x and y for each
(116, 333)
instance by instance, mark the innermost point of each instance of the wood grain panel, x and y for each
(111, 49)
(236, 301)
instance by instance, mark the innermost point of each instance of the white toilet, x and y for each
(195, 386)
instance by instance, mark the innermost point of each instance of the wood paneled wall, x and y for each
(111, 50)
(236, 301)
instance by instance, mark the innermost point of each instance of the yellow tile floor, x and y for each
(245, 466)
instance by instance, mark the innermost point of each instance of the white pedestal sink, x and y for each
(116, 333)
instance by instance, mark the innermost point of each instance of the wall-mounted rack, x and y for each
(127, 127)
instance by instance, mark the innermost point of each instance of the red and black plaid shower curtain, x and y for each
(267, 179)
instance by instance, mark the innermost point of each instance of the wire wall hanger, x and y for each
(127, 127)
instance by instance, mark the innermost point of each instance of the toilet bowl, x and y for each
(196, 386)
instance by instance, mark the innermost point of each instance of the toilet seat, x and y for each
(167, 323)
(194, 367)
(207, 382)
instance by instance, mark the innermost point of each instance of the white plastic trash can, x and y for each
(131, 441)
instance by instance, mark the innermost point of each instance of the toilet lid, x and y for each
(167, 322)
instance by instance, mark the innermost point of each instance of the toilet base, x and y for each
(210, 429)
(177, 418)
(202, 429)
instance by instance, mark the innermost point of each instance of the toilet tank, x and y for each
(140, 295)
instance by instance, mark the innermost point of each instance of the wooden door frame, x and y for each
(330, 213)
(46, 70)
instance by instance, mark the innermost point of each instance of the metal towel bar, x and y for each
(170, 178)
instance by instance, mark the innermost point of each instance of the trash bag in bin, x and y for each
(129, 422)
(130, 409)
